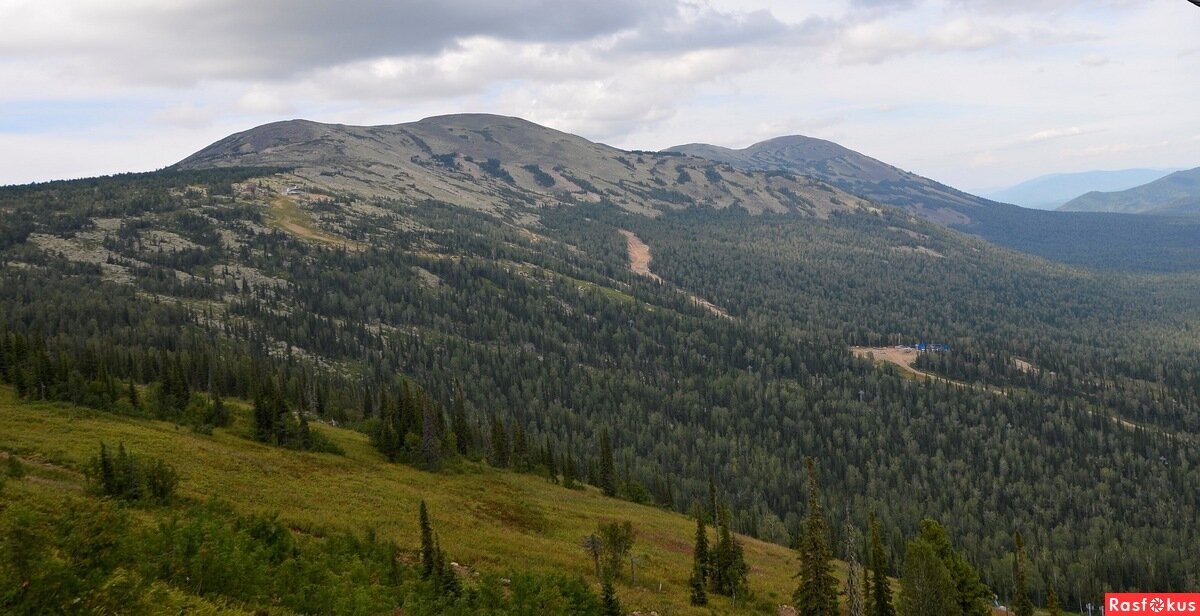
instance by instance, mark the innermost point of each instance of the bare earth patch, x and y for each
(639, 263)
(639, 256)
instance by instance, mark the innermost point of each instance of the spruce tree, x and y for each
(880, 599)
(1052, 605)
(925, 586)
(855, 591)
(428, 549)
(607, 474)
(549, 461)
(1022, 605)
(699, 578)
(817, 592)
(500, 447)
(609, 604)
(458, 425)
(431, 449)
(972, 595)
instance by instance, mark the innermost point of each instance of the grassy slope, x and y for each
(487, 519)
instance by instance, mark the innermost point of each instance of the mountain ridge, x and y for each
(1048, 192)
(1177, 194)
(490, 162)
(851, 171)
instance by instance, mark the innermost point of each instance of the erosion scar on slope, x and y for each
(639, 262)
(639, 256)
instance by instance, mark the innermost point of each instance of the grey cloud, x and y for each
(273, 39)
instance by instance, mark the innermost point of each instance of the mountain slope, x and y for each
(1105, 243)
(492, 163)
(853, 172)
(1051, 191)
(1177, 194)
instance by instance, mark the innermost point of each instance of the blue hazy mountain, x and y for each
(1177, 194)
(1048, 192)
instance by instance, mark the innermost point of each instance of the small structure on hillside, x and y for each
(933, 347)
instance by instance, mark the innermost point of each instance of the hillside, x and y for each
(724, 357)
(1048, 192)
(489, 521)
(1098, 242)
(1177, 194)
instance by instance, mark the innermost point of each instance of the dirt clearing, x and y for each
(639, 263)
(639, 256)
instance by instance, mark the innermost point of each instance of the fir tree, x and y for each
(1052, 605)
(133, 395)
(699, 578)
(430, 444)
(609, 604)
(428, 549)
(1022, 605)
(458, 424)
(607, 474)
(500, 448)
(971, 594)
(855, 592)
(817, 592)
(880, 600)
(727, 568)
(925, 586)
(570, 474)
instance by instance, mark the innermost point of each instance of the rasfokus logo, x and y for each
(1147, 603)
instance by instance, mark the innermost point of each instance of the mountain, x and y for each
(853, 172)
(491, 163)
(659, 326)
(1076, 238)
(1048, 192)
(1177, 194)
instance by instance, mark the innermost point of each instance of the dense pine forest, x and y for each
(1067, 410)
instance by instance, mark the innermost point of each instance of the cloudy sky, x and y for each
(976, 93)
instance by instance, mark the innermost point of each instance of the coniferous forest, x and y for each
(1057, 438)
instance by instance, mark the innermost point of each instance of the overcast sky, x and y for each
(976, 93)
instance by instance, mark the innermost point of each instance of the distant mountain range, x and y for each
(1177, 194)
(1048, 192)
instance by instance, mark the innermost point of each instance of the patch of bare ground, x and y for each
(905, 357)
(639, 263)
(639, 256)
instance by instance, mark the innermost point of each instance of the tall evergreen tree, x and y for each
(699, 579)
(925, 586)
(610, 606)
(431, 446)
(971, 594)
(856, 604)
(428, 549)
(1022, 605)
(880, 599)
(817, 592)
(728, 569)
(1052, 605)
(501, 451)
(607, 473)
(458, 424)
